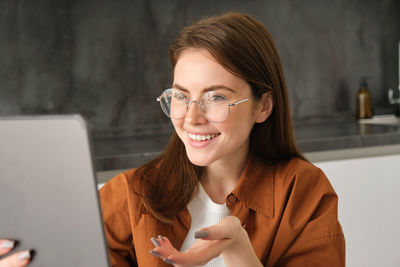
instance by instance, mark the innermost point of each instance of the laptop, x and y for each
(48, 193)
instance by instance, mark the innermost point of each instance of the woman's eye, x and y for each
(217, 98)
(179, 96)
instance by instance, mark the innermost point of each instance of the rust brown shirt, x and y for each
(289, 211)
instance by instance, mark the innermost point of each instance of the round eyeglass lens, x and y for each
(165, 100)
(215, 107)
(173, 103)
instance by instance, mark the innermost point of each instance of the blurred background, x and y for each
(108, 60)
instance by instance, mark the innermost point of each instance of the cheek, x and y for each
(178, 126)
(238, 128)
(241, 120)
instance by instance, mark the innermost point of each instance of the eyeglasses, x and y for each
(215, 106)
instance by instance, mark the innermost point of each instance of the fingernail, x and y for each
(7, 244)
(24, 255)
(201, 234)
(155, 253)
(155, 242)
(161, 237)
(169, 261)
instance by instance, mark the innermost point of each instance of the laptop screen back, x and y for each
(48, 197)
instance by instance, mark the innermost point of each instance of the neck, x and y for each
(221, 177)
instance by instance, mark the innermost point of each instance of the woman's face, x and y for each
(195, 73)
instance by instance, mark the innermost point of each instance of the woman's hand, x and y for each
(227, 238)
(18, 259)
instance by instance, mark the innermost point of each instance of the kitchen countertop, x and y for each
(128, 151)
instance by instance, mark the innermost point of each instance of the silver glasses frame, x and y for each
(198, 103)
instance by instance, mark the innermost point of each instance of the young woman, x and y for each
(231, 188)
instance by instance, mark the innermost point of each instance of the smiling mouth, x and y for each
(197, 138)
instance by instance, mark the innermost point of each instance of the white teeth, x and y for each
(202, 137)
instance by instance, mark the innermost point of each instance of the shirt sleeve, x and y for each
(311, 214)
(114, 205)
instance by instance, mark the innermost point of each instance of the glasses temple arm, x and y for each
(237, 103)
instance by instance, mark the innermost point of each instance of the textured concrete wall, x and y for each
(108, 59)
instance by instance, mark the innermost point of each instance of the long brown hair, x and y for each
(245, 48)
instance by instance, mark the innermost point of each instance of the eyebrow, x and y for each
(210, 88)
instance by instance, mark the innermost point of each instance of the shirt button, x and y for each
(231, 198)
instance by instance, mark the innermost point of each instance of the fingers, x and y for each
(227, 228)
(163, 248)
(18, 259)
(6, 246)
(212, 241)
(164, 242)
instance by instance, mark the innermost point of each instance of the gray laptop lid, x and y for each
(48, 194)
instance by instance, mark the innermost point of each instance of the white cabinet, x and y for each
(369, 207)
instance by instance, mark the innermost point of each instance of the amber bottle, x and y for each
(364, 106)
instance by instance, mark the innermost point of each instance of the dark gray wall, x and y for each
(108, 59)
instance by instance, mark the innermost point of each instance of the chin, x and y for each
(199, 160)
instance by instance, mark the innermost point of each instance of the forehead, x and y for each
(197, 69)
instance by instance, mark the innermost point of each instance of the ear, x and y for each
(265, 107)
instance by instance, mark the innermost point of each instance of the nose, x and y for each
(194, 114)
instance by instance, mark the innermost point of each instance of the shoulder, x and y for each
(299, 179)
(306, 208)
(126, 188)
(127, 181)
(304, 194)
(118, 184)
(299, 171)
(297, 166)
(122, 192)
(116, 191)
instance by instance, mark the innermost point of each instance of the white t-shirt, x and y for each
(204, 212)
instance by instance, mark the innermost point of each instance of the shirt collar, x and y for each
(256, 187)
